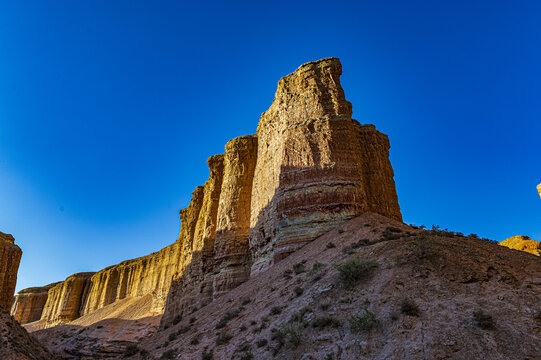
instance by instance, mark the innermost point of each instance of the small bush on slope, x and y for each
(354, 269)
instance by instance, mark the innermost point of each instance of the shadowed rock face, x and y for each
(10, 257)
(523, 243)
(29, 303)
(309, 169)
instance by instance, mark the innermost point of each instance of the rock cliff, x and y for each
(10, 257)
(29, 303)
(523, 243)
(309, 168)
(539, 189)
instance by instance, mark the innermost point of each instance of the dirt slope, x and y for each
(468, 299)
(16, 343)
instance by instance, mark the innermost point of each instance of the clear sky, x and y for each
(109, 110)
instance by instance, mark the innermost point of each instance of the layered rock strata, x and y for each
(309, 168)
(10, 257)
(316, 166)
(65, 299)
(29, 303)
(522, 243)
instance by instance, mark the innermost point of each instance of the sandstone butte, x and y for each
(309, 168)
(523, 243)
(10, 256)
(539, 189)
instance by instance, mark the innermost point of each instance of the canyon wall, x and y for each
(10, 257)
(309, 168)
(29, 303)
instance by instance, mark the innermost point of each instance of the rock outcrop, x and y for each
(309, 168)
(10, 257)
(539, 189)
(523, 243)
(29, 303)
(64, 300)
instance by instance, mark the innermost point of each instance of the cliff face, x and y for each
(539, 189)
(316, 166)
(29, 303)
(64, 300)
(523, 243)
(309, 168)
(10, 257)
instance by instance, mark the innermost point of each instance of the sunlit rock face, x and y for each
(29, 303)
(523, 243)
(10, 257)
(64, 300)
(316, 167)
(309, 168)
(539, 189)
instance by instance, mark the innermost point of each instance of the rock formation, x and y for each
(523, 243)
(309, 168)
(64, 300)
(10, 256)
(539, 189)
(29, 303)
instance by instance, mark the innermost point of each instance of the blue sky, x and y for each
(109, 110)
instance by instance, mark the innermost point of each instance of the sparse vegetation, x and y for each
(364, 321)
(169, 354)
(242, 327)
(172, 336)
(409, 307)
(183, 329)
(316, 267)
(192, 320)
(131, 350)
(340, 231)
(276, 310)
(261, 342)
(483, 320)
(287, 274)
(298, 291)
(177, 319)
(330, 245)
(423, 247)
(195, 340)
(290, 331)
(228, 316)
(299, 268)
(223, 338)
(207, 355)
(245, 301)
(354, 269)
(324, 321)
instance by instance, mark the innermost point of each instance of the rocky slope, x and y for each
(10, 256)
(523, 243)
(414, 295)
(309, 168)
(16, 344)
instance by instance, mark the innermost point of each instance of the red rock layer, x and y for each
(10, 257)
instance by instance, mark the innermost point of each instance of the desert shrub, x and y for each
(276, 310)
(354, 269)
(298, 291)
(247, 356)
(325, 305)
(169, 354)
(195, 340)
(172, 336)
(228, 316)
(261, 342)
(287, 274)
(207, 355)
(192, 320)
(330, 245)
(223, 338)
(253, 322)
(245, 301)
(423, 247)
(324, 321)
(409, 307)
(290, 331)
(177, 319)
(363, 321)
(340, 231)
(316, 267)
(183, 330)
(131, 350)
(299, 268)
(483, 320)
(242, 327)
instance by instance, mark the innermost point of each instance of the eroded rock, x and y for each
(29, 303)
(523, 243)
(10, 257)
